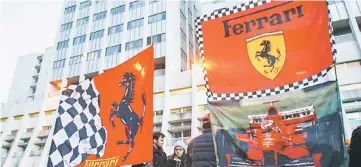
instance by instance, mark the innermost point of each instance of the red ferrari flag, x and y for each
(264, 47)
(107, 120)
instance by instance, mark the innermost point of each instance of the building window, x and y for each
(4, 119)
(180, 91)
(349, 64)
(59, 64)
(62, 44)
(85, 4)
(201, 87)
(115, 29)
(79, 40)
(134, 44)
(158, 112)
(32, 115)
(18, 117)
(46, 127)
(75, 60)
(99, 16)
(97, 34)
(70, 9)
(159, 94)
(93, 55)
(117, 10)
(203, 107)
(13, 132)
(66, 26)
(156, 39)
(136, 4)
(113, 50)
(50, 112)
(157, 17)
(82, 21)
(135, 23)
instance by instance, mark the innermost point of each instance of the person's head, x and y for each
(179, 148)
(158, 139)
(206, 121)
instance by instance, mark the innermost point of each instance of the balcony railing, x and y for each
(18, 154)
(35, 153)
(6, 145)
(180, 117)
(22, 143)
(9, 138)
(43, 134)
(186, 140)
(26, 135)
(179, 128)
(353, 106)
(40, 142)
(344, 38)
(158, 73)
(158, 118)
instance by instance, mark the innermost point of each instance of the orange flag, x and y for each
(268, 46)
(107, 120)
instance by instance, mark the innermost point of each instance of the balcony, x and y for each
(26, 135)
(173, 128)
(33, 86)
(158, 73)
(18, 154)
(43, 134)
(352, 95)
(173, 118)
(36, 76)
(157, 128)
(23, 144)
(352, 107)
(9, 138)
(35, 153)
(186, 140)
(38, 66)
(158, 119)
(40, 142)
(40, 58)
(6, 145)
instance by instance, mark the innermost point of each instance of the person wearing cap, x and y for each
(179, 158)
(201, 148)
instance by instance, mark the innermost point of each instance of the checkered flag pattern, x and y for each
(78, 130)
(262, 93)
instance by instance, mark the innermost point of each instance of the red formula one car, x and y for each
(277, 138)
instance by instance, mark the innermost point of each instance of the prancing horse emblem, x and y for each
(267, 53)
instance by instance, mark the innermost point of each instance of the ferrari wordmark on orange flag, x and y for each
(268, 46)
(107, 120)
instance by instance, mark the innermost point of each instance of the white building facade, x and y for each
(94, 36)
(20, 115)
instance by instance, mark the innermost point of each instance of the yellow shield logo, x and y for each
(267, 53)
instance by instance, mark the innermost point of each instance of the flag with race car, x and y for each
(271, 84)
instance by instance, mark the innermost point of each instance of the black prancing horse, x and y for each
(271, 60)
(125, 113)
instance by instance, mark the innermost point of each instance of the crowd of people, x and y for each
(199, 153)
